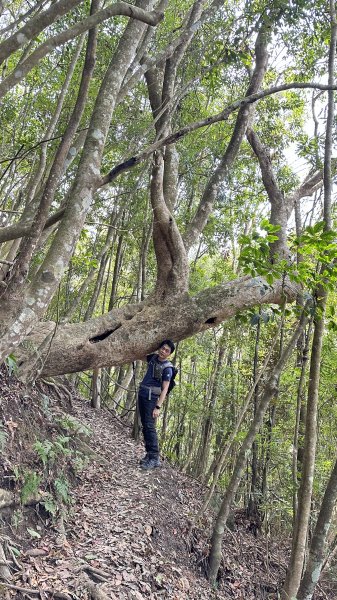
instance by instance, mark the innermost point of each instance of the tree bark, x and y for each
(297, 557)
(19, 315)
(318, 543)
(271, 386)
(118, 8)
(128, 333)
(96, 389)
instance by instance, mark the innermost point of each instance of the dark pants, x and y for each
(146, 405)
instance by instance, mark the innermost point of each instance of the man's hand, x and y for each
(156, 413)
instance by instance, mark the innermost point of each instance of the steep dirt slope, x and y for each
(129, 534)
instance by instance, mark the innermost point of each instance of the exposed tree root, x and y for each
(23, 590)
(93, 589)
(4, 570)
(58, 387)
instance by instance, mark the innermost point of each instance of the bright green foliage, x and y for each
(30, 488)
(73, 425)
(318, 250)
(11, 364)
(59, 457)
(255, 253)
(61, 486)
(50, 505)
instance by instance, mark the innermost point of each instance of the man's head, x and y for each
(166, 348)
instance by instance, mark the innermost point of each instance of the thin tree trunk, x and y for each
(96, 389)
(132, 393)
(101, 257)
(123, 387)
(167, 401)
(319, 539)
(98, 286)
(208, 425)
(228, 444)
(300, 423)
(268, 394)
(117, 268)
(253, 502)
(296, 562)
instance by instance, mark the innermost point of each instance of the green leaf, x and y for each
(33, 533)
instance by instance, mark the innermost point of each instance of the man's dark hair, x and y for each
(168, 343)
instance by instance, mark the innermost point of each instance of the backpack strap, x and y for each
(162, 365)
(166, 363)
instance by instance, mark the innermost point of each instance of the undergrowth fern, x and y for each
(30, 486)
(45, 451)
(73, 425)
(61, 485)
(3, 437)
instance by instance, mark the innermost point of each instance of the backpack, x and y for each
(158, 369)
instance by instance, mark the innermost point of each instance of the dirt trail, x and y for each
(128, 535)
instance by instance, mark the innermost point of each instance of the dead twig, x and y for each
(27, 591)
(14, 559)
(101, 575)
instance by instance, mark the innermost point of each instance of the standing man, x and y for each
(152, 393)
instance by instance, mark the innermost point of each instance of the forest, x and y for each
(167, 171)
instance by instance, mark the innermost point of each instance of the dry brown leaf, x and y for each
(148, 529)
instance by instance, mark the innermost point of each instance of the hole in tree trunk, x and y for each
(211, 320)
(103, 336)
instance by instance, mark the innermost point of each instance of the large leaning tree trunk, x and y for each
(130, 332)
(22, 308)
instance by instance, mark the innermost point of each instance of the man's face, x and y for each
(164, 351)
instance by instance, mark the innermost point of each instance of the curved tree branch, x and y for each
(29, 243)
(281, 207)
(119, 8)
(205, 207)
(222, 116)
(37, 24)
(278, 214)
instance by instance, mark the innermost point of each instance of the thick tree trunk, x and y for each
(133, 331)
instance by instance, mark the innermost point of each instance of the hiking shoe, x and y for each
(144, 459)
(150, 463)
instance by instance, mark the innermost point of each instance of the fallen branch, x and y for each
(101, 575)
(54, 593)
